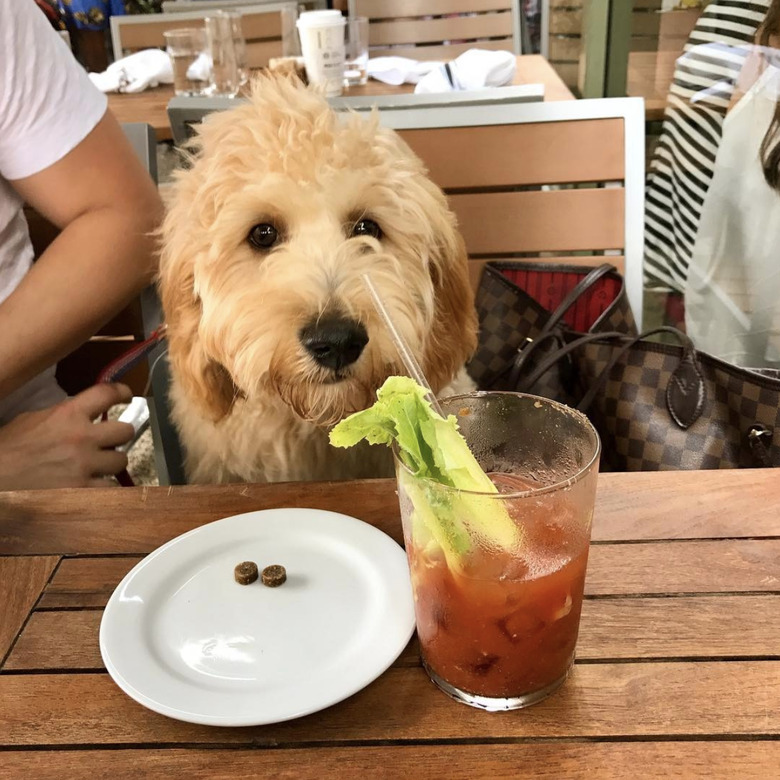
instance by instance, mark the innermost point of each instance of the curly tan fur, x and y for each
(249, 401)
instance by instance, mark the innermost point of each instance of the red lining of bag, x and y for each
(549, 288)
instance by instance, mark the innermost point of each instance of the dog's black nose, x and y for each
(334, 342)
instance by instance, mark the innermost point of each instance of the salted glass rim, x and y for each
(556, 486)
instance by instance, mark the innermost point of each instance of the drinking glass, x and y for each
(239, 45)
(225, 78)
(498, 578)
(187, 49)
(356, 48)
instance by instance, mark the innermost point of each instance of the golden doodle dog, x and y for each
(273, 336)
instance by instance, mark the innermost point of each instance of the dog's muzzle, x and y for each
(334, 341)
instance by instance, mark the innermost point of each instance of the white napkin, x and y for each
(200, 70)
(136, 72)
(398, 70)
(474, 69)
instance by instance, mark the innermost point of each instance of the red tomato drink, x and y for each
(498, 577)
(504, 626)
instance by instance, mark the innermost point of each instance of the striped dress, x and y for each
(684, 159)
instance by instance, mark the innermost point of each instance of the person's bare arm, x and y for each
(106, 205)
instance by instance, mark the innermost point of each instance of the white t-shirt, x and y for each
(47, 107)
(732, 297)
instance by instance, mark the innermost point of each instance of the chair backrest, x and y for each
(439, 29)
(269, 30)
(168, 456)
(182, 6)
(144, 143)
(562, 180)
(184, 113)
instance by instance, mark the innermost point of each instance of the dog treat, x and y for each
(246, 573)
(274, 576)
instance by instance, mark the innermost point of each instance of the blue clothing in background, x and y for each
(90, 14)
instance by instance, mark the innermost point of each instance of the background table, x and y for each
(151, 106)
(650, 75)
(678, 670)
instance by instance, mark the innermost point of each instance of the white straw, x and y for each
(412, 366)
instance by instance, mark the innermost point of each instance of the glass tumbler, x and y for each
(187, 49)
(225, 77)
(239, 45)
(498, 578)
(356, 50)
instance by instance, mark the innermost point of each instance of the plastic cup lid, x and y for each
(321, 19)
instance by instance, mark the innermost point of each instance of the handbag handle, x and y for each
(524, 351)
(575, 294)
(685, 391)
(524, 355)
(759, 439)
(548, 362)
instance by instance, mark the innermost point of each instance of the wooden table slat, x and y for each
(599, 700)
(685, 627)
(718, 760)
(685, 567)
(680, 627)
(58, 640)
(86, 582)
(138, 520)
(640, 506)
(69, 640)
(689, 567)
(21, 582)
(714, 504)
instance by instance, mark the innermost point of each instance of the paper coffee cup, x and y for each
(322, 46)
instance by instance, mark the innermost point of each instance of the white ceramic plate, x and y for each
(183, 638)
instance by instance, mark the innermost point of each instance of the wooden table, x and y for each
(650, 74)
(151, 106)
(678, 670)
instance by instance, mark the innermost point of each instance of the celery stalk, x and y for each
(432, 447)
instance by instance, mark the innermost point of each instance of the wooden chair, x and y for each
(168, 457)
(439, 29)
(184, 112)
(269, 30)
(182, 6)
(563, 181)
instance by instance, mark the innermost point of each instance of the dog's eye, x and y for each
(263, 236)
(367, 227)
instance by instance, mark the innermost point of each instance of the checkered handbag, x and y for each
(661, 407)
(520, 302)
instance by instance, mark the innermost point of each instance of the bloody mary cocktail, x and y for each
(498, 609)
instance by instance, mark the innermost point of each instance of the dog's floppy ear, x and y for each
(453, 336)
(206, 382)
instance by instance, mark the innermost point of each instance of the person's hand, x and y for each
(63, 446)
